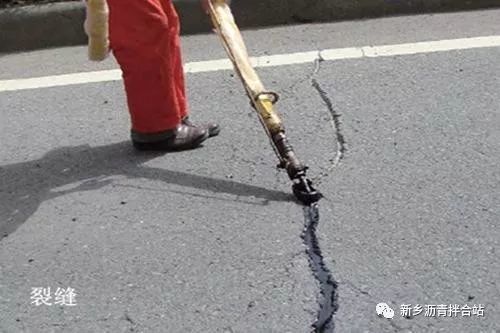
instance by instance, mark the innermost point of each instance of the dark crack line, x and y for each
(335, 116)
(328, 304)
(357, 289)
(133, 324)
(341, 142)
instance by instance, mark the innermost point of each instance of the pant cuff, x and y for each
(151, 137)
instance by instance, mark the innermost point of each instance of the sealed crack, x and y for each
(328, 286)
(328, 303)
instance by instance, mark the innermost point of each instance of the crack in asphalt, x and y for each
(328, 304)
(357, 289)
(133, 324)
(335, 120)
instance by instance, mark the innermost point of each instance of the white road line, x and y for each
(266, 61)
(60, 80)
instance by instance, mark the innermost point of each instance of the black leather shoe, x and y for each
(183, 137)
(212, 128)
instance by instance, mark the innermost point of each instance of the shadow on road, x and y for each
(26, 185)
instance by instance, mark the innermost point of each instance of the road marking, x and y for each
(266, 61)
(60, 80)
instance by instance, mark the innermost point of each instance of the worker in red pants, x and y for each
(144, 38)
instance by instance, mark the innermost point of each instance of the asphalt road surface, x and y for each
(210, 240)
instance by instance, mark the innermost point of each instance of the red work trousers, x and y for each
(144, 38)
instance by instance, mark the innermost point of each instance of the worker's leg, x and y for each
(143, 40)
(180, 87)
(176, 59)
(212, 128)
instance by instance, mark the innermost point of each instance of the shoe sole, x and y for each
(157, 146)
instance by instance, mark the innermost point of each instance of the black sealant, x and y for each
(328, 286)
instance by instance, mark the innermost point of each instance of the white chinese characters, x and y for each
(442, 310)
(61, 296)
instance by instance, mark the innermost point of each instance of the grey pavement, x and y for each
(209, 240)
